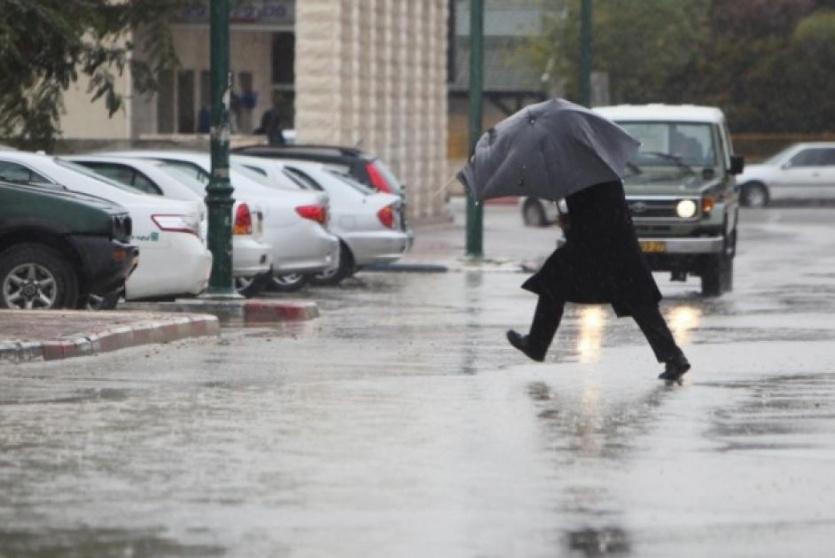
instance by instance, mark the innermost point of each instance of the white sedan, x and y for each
(295, 223)
(370, 224)
(251, 258)
(173, 259)
(804, 171)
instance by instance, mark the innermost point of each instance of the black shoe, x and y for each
(521, 342)
(675, 368)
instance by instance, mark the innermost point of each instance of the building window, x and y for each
(185, 102)
(283, 55)
(165, 103)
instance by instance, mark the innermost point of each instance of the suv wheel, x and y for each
(533, 214)
(754, 194)
(34, 276)
(718, 275)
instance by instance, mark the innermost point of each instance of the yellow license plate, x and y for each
(653, 246)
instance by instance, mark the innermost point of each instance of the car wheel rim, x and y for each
(756, 197)
(30, 286)
(532, 215)
(288, 280)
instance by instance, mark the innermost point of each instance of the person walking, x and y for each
(559, 150)
(600, 262)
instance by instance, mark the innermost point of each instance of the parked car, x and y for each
(370, 224)
(251, 258)
(537, 212)
(803, 171)
(295, 223)
(363, 167)
(60, 249)
(175, 260)
(681, 191)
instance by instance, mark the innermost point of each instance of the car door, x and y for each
(800, 177)
(827, 174)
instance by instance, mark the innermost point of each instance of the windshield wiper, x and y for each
(674, 158)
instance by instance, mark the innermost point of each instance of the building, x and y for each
(355, 72)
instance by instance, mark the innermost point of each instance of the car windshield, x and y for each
(184, 176)
(302, 180)
(252, 174)
(192, 171)
(359, 187)
(675, 148)
(389, 176)
(81, 169)
(779, 157)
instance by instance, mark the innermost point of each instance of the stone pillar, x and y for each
(373, 72)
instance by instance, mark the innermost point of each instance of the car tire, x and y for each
(288, 282)
(334, 277)
(36, 276)
(754, 194)
(250, 287)
(717, 276)
(533, 214)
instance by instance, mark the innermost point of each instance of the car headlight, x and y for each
(686, 209)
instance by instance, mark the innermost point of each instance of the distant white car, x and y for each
(537, 212)
(251, 258)
(173, 259)
(370, 224)
(803, 171)
(295, 223)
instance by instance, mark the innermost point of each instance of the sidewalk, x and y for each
(33, 335)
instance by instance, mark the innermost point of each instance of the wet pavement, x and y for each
(400, 423)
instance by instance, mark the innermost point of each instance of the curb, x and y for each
(160, 330)
(246, 312)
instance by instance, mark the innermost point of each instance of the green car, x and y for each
(61, 249)
(681, 190)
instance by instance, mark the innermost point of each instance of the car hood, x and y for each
(637, 185)
(54, 191)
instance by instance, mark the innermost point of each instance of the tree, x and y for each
(46, 44)
(645, 47)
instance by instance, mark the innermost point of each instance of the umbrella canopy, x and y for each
(548, 150)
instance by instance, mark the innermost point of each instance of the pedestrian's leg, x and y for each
(546, 320)
(655, 329)
(661, 340)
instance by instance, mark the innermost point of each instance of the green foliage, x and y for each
(767, 63)
(46, 44)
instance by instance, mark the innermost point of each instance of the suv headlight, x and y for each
(686, 209)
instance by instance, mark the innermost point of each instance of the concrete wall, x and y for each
(373, 73)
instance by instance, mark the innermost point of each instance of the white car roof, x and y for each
(661, 112)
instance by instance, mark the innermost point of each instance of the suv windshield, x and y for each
(677, 148)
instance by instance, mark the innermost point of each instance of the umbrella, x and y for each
(547, 150)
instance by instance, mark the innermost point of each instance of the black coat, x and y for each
(601, 261)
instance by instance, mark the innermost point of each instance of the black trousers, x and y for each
(549, 312)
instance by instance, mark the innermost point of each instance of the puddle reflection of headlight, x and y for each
(683, 320)
(592, 321)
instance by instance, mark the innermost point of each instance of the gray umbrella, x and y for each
(548, 150)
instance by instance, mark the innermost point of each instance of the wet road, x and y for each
(400, 424)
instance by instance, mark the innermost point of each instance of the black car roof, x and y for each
(305, 149)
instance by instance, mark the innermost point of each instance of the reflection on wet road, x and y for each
(399, 424)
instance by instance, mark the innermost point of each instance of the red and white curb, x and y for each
(145, 332)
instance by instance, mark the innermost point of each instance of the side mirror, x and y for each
(737, 164)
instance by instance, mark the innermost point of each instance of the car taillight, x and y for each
(377, 181)
(176, 223)
(243, 220)
(386, 216)
(318, 213)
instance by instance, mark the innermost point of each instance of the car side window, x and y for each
(14, 172)
(118, 173)
(806, 158)
(141, 182)
(828, 158)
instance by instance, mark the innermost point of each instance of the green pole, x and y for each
(475, 213)
(587, 10)
(219, 191)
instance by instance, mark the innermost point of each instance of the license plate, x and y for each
(653, 246)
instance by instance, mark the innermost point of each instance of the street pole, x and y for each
(219, 191)
(586, 14)
(475, 212)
